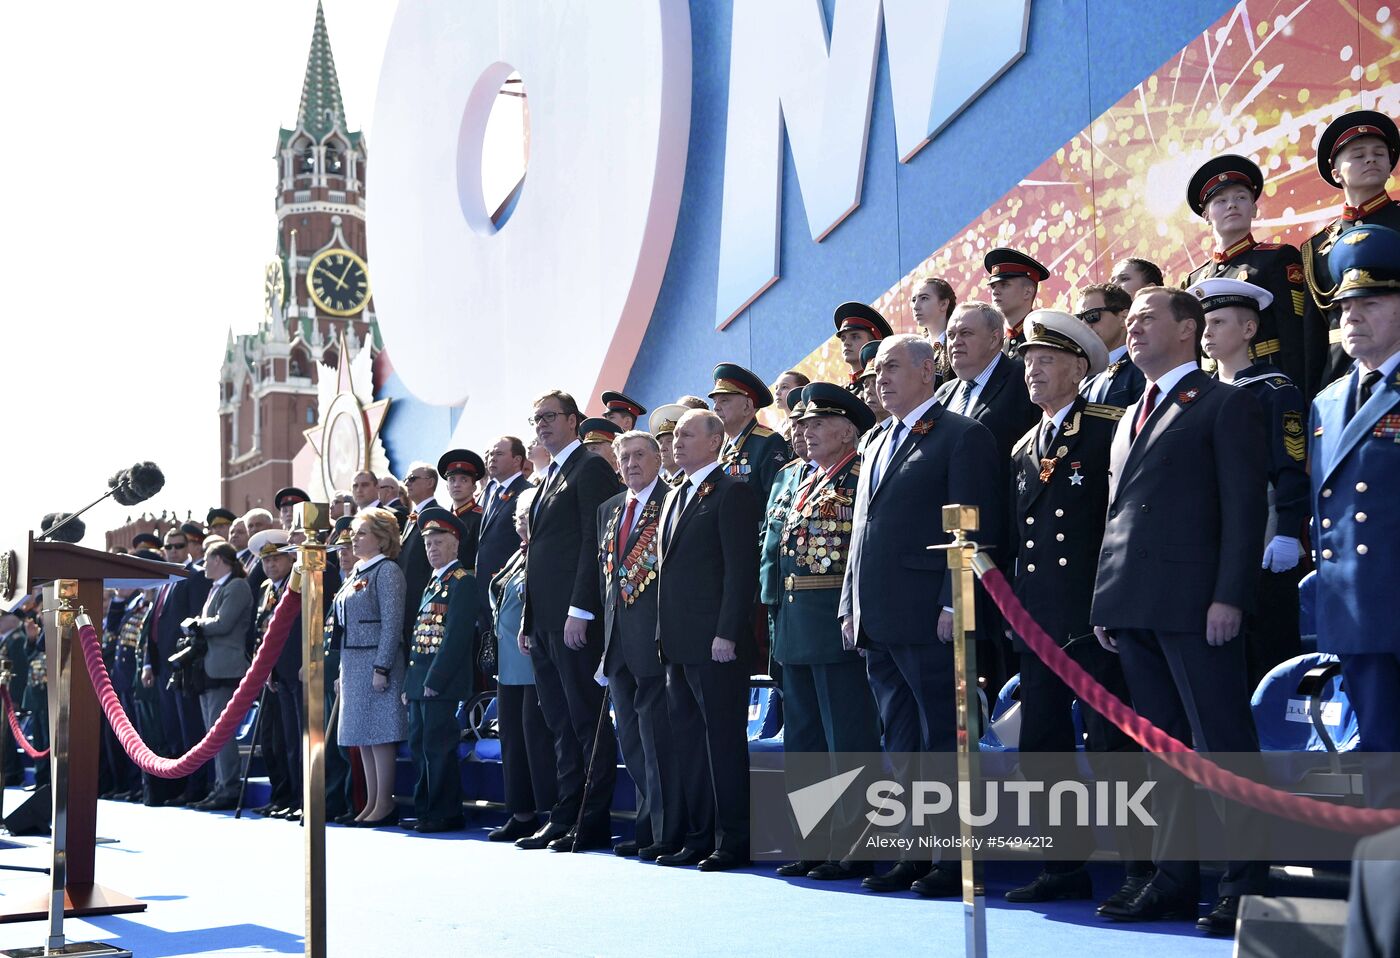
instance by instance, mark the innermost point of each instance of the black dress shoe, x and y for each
(1119, 899)
(432, 826)
(652, 852)
(1221, 920)
(898, 878)
(219, 804)
(585, 841)
(1151, 904)
(513, 829)
(287, 811)
(722, 861)
(1054, 886)
(542, 838)
(686, 856)
(347, 819)
(942, 881)
(841, 871)
(797, 869)
(626, 849)
(391, 819)
(179, 801)
(266, 811)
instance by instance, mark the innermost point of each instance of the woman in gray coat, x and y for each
(224, 622)
(370, 604)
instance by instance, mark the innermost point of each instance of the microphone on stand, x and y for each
(129, 486)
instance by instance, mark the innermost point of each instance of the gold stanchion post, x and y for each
(960, 521)
(311, 519)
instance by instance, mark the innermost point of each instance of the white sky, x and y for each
(136, 215)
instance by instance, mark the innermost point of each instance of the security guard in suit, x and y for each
(1355, 470)
(439, 673)
(1233, 309)
(1356, 154)
(461, 470)
(858, 325)
(1059, 499)
(1104, 308)
(827, 702)
(1014, 279)
(623, 411)
(751, 453)
(1224, 192)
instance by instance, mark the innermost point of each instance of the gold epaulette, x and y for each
(1029, 438)
(459, 573)
(1103, 411)
(855, 467)
(761, 430)
(795, 462)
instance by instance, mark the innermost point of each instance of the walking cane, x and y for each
(248, 763)
(588, 773)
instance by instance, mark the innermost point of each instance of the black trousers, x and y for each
(1273, 632)
(183, 726)
(571, 702)
(122, 773)
(913, 686)
(291, 713)
(433, 737)
(1193, 691)
(274, 752)
(340, 783)
(644, 731)
(527, 751)
(708, 704)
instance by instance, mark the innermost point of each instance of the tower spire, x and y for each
(321, 108)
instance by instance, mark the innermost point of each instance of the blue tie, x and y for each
(897, 435)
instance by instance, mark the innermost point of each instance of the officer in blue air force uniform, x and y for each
(1233, 309)
(1355, 431)
(440, 673)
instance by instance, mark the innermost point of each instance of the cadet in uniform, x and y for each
(856, 325)
(1355, 470)
(597, 436)
(461, 470)
(440, 673)
(1059, 499)
(827, 702)
(1014, 279)
(1233, 308)
(286, 501)
(623, 411)
(1104, 308)
(1356, 154)
(751, 453)
(1225, 192)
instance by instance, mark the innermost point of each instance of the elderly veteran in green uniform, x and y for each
(779, 500)
(440, 673)
(751, 453)
(827, 702)
(461, 470)
(1234, 310)
(857, 325)
(1225, 193)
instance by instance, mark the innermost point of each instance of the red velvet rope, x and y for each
(225, 726)
(15, 730)
(1202, 771)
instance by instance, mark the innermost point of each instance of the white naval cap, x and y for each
(1065, 331)
(1222, 291)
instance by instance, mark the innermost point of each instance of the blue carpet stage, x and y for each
(219, 886)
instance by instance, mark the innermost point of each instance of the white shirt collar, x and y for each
(438, 574)
(364, 564)
(981, 378)
(1059, 418)
(1386, 368)
(564, 454)
(916, 415)
(219, 582)
(698, 476)
(505, 483)
(1118, 353)
(1171, 377)
(430, 501)
(645, 494)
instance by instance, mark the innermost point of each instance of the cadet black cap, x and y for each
(1003, 263)
(289, 496)
(1365, 261)
(149, 554)
(597, 429)
(142, 537)
(1348, 127)
(438, 519)
(731, 379)
(1218, 173)
(461, 460)
(825, 399)
(217, 515)
(862, 317)
(193, 530)
(617, 402)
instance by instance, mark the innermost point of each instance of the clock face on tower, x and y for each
(338, 282)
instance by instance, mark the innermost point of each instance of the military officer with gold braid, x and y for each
(827, 702)
(751, 452)
(779, 501)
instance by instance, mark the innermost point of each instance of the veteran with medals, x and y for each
(440, 673)
(752, 453)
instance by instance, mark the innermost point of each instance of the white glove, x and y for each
(1282, 553)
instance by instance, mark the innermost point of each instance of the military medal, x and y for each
(1047, 468)
(1187, 395)
(1075, 478)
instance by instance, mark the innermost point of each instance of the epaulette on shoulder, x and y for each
(1268, 246)
(762, 430)
(794, 462)
(459, 573)
(1025, 440)
(1278, 382)
(1340, 385)
(855, 466)
(1101, 410)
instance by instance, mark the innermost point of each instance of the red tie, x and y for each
(1145, 410)
(625, 530)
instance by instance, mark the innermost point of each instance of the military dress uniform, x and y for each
(440, 660)
(1355, 469)
(1276, 267)
(36, 703)
(272, 741)
(1326, 361)
(1119, 384)
(1001, 264)
(18, 650)
(862, 318)
(757, 453)
(125, 645)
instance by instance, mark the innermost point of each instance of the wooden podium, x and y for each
(77, 576)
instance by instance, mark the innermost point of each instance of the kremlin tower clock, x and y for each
(317, 293)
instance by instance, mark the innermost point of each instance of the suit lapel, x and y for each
(1383, 399)
(1000, 372)
(556, 482)
(1188, 392)
(931, 416)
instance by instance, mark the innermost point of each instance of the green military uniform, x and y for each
(755, 456)
(440, 659)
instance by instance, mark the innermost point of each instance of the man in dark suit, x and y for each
(1104, 308)
(708, 568)
(896, 598)
(497, 540)
(560, 627)
(1059, 499)
(627, 536)
(1373, 918)
(1171, 594)
(989, 387)
(413, 558)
